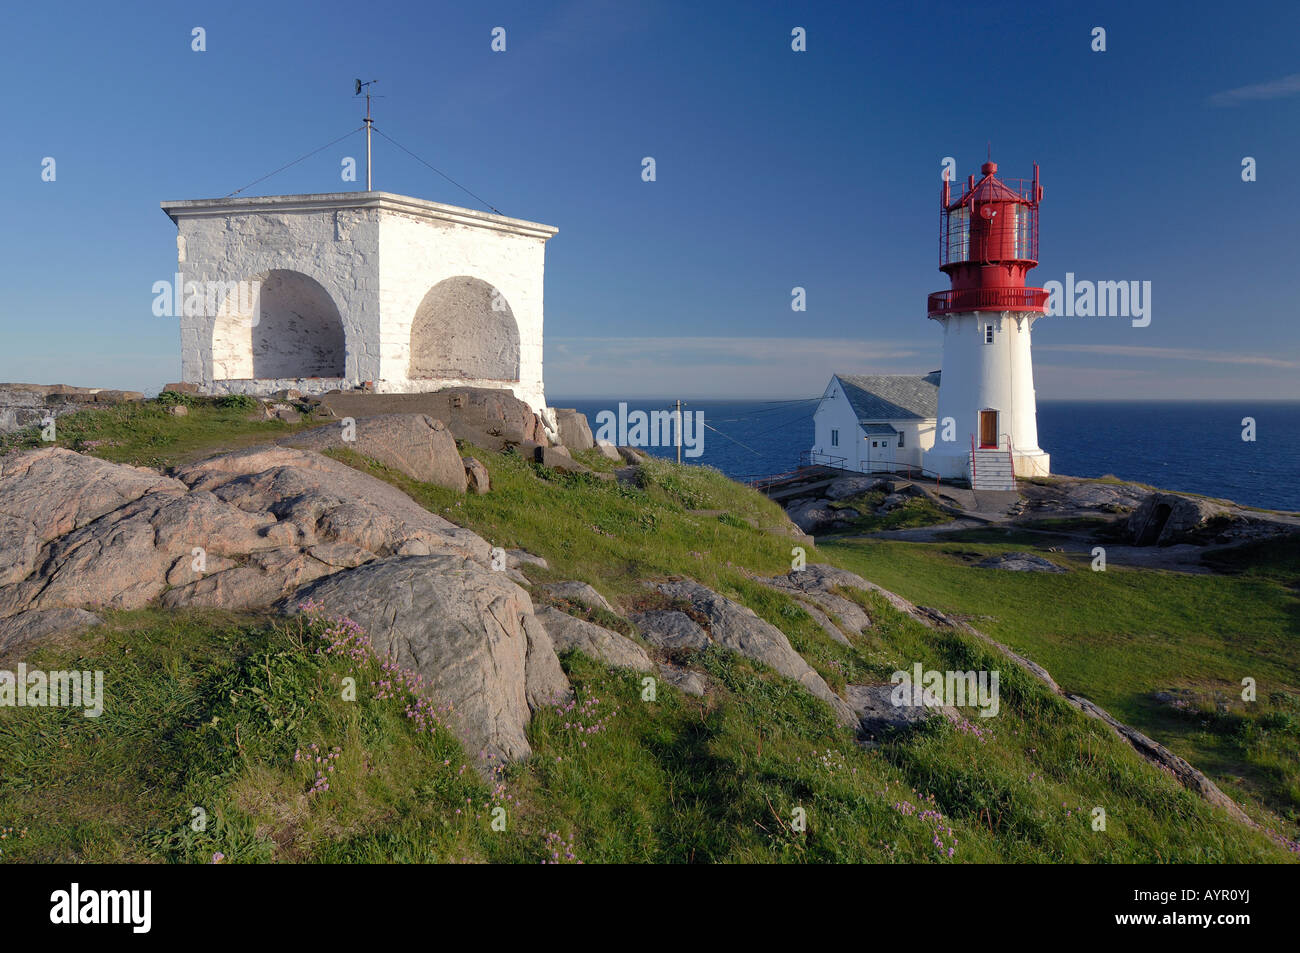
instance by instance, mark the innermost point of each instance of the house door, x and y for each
(881, 453)
(988, 428)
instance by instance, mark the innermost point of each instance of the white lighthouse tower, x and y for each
(987, 426)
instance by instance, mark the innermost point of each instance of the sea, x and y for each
(1175, 445)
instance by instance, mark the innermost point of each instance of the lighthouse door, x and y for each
(988, 428)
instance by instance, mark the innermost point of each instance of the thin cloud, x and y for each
(1174, 354)
(1273, 89)
(767, 367)
(838, 353)
(1171, 382)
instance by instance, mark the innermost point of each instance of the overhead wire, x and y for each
(476, 198)
(781, 426)
(296, 161)
(767, 408)
(482, 201)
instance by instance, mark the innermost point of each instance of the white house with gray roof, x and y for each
(875, 422)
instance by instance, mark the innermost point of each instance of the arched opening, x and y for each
(297, 331)
(464, 329)
(1155, 525)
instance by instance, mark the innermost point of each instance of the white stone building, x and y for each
(875, 423)
(358, 289)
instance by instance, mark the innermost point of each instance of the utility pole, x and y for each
(369, 124)
(679, 431)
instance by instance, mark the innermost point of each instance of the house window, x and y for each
(835, 438)
(900, 440)
(988, 334)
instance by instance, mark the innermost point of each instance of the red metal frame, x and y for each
(988, 249)
(1026, 226)
(988, 299)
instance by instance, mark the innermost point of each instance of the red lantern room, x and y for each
(988, 241)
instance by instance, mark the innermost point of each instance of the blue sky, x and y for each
(775, 169)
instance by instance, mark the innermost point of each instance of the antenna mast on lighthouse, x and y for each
(369, 123)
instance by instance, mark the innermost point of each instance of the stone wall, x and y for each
(464, 328)
(22, 405)
(289, 241)
(346, 279)
(420, 252)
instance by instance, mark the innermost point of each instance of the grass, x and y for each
(1067, 524)
(1122, 635)
(208, 710)
(215, 712)
(912, 513)
(611, 534)
(1277, 560)
(146, 434)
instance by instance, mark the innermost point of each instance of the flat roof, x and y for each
(386, 201)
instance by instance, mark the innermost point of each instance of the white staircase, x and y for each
(992, 470)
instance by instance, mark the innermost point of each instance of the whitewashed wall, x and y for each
(918, 437)
(418, 252)
(376, 255)
(834, 412)
(979, 376)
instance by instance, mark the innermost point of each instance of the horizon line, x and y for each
(1044, 400)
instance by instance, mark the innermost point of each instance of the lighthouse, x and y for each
(986, 429)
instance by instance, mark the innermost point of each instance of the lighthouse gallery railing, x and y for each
(987, 299)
